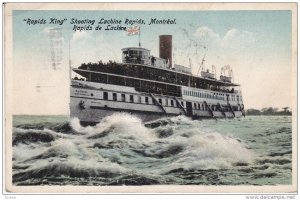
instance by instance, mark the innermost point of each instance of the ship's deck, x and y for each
(151, 73)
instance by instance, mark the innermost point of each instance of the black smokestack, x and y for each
(165, 48)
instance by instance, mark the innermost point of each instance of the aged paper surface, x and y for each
(41, 41)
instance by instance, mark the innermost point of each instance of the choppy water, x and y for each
(121, 150)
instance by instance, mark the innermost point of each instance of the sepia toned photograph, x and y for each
(156, 96)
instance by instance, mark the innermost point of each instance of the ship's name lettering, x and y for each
(81, 91)
(57, 21)
(109, 21)
(81, 94)
(30, 21)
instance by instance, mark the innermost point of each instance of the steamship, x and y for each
(151, 87)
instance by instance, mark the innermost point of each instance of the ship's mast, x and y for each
(214, 71)
(201, 65)
(231, 74)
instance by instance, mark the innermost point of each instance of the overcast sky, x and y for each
(256, 44)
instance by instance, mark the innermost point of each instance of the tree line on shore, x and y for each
(269, 111)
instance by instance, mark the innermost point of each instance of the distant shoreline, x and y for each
(269, 112)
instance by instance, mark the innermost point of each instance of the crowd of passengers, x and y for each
(148, 73)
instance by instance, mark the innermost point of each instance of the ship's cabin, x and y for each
(207, 74)
(136, 55)
(142, 56)
(225, 78)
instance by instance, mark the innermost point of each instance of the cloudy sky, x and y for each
(256, 44)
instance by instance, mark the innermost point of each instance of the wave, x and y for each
(122, 144)
(278, 161)
(27, 136)
(274, 154)
(169, 137)
(69, 169)
(121, 130)
(57, 127)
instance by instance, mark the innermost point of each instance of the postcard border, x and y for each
(144, 189)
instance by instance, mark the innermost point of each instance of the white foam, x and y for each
(199, 148)
(121, 126)
(205, 150)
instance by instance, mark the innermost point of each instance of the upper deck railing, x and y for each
(154, 73)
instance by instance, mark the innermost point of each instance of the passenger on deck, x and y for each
(152, 60)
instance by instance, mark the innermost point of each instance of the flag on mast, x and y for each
(135, 30)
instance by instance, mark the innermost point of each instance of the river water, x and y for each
(122, 150)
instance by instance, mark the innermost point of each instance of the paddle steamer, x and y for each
(152, 87)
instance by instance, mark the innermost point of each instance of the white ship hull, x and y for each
(90, 102)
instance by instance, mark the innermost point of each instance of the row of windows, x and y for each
(235, 98)
(165, 102)
(123, 97)
(138, 99)
(218, 96)
(198, 106)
